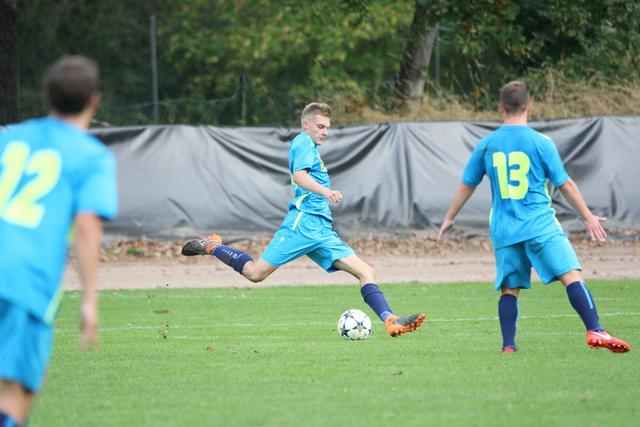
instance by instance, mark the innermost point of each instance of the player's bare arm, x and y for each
(463, 194)
(87, 244)
(304, 180)
(571, 192)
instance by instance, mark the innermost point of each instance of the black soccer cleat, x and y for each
(202, 246)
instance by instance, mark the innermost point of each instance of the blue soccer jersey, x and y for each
(304, 155)
(518, 161)
(49, 172)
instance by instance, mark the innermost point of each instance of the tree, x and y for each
(329, 50)
(259, 61)
(8, 62)
(416, 58)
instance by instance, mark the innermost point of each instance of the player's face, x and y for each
(317, 127)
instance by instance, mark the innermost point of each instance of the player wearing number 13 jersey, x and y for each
(53, 176)
(519, 163)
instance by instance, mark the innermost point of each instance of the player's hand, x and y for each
(88, 324)
(595, 228)
(334, 196)
(446, 225)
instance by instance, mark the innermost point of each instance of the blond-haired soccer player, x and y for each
(52, 175)
(308, 227)
(524, 230)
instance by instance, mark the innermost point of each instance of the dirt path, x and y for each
(145, 264)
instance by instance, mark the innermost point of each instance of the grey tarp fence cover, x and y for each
(180, 181)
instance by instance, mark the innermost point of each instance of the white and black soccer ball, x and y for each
(354, 325)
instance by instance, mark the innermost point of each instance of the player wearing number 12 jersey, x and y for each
(525, 232)
(53, 177)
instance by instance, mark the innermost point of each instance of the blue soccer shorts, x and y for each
(550, 254)
(306, 234)
(25, 347)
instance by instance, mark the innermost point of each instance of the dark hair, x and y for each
(69, 84)
(514, 97)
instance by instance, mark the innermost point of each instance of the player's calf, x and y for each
(212, 245)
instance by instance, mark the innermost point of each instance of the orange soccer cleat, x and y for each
(509, 349)
(397, 326)
(202, 246)
(603, 339)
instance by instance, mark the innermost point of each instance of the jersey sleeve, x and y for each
(552, 163)
(97, 188)
(474, 171)
(302, 155)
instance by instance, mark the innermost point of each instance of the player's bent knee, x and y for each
(511, 291)
(570, 277)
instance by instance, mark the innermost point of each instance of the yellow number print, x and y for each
(23, 208)
(515, 170)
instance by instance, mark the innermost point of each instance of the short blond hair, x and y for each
(315, 108)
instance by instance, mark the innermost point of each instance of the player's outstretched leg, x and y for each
(212, 245)
(582, 302)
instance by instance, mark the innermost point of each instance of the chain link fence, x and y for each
(243, 107)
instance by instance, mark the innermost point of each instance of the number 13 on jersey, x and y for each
(514, 169)
(22, 207)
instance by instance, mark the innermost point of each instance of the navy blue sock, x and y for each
(7, 421)
(373, 296)
(582, 302)
(508, 314)
(231, 256)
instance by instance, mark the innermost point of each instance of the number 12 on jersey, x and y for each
(514, 169)
(22, 208)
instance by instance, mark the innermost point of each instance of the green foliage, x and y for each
(272, 357)
(116, 34)
(260, 62)
(504, 40)
(306, 49)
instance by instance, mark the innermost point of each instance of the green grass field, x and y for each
(272, 357)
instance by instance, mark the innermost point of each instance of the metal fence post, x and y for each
(243, 99)
(154, 70)
(437, 64)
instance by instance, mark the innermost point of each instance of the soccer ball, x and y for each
(354, 325)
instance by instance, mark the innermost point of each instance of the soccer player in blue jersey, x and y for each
(525, 232)
(54, 179)
(307, 228)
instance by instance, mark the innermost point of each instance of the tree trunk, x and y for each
(415, 61)
(8, 62)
